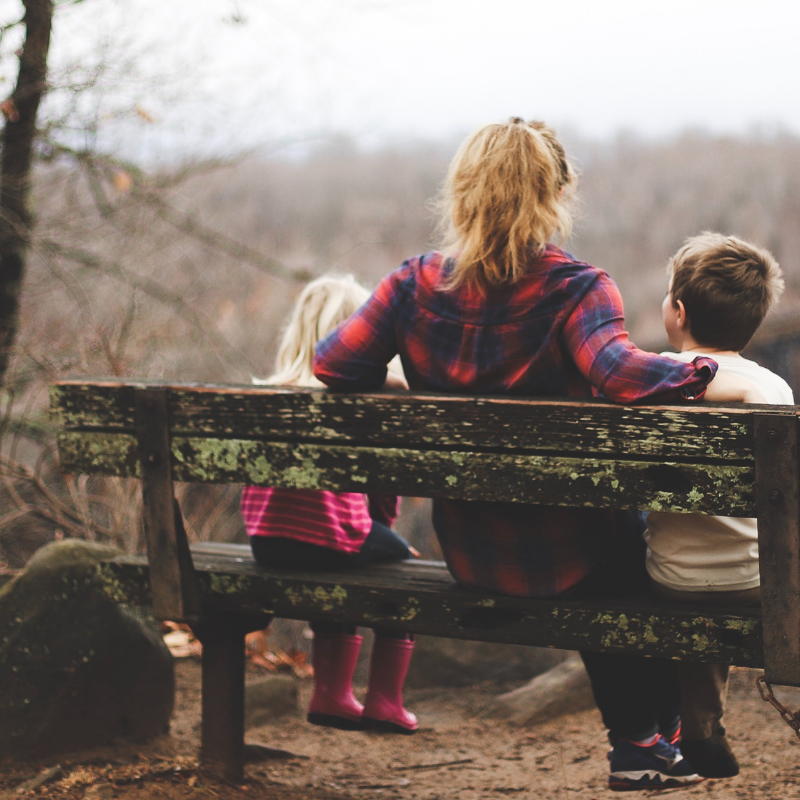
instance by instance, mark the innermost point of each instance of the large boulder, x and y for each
(76, 669)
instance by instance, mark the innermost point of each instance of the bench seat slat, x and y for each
(423, 598)
(678, 432)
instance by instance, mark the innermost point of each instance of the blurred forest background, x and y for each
(187, 270)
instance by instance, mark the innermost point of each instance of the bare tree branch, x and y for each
(190, 225)
(149, 287)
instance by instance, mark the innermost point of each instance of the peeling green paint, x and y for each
(259, 470)
(228, 584)
(98, 453)
(649, 634)
(745, 626)
(411, 610)
(322, 598)
(112, 588)
(695, 496)
(306, 476)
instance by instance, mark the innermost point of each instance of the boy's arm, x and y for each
(729, 388)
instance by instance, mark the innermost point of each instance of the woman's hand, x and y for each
(729, 388)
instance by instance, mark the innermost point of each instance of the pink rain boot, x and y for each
(334, 658)
(383, 708)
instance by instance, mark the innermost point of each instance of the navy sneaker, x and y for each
(656, 766)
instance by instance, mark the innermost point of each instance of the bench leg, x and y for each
(222, 747)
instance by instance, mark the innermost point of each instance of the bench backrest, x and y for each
(700, 459)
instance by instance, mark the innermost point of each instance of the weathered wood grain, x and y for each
(778, 495)
(175, 595)
(422, 598)
(434, 422)
(554, 480)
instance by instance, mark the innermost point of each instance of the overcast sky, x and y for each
(245, 73)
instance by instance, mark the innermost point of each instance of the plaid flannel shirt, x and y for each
(559, 330)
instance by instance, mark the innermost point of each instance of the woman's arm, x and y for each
(354, 356)
(596, 338)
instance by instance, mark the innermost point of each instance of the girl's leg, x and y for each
(334, 657)
(274, 551)
(383, 544)
(334, 651)
(383, 708)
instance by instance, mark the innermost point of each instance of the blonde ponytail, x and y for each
(507, 193)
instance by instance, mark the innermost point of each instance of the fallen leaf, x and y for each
(123, 182)
(9, 109)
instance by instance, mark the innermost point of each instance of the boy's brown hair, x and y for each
(726, 285)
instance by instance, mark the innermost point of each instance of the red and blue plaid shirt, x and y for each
(559, 330)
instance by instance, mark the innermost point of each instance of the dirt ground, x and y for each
(456, 754)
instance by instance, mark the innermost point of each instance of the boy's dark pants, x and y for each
(704, 687)
(637, 697)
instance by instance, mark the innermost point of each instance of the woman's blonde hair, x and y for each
(322, 306)
(508, 192)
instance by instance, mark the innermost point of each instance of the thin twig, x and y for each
(151, 288)
(437, 765)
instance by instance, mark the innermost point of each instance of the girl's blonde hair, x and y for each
(321, 307)
(508, 192)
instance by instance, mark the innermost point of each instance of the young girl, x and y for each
(315, 530)
(502, 311)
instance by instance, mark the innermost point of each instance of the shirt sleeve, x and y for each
(354, 356)
(595, 336)
(383, 508)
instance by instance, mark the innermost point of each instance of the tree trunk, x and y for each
(15, 168)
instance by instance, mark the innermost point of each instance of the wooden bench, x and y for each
(740, 461)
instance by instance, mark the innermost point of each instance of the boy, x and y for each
(720, 291)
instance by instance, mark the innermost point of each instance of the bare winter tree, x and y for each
(15, 166)
(122, 276)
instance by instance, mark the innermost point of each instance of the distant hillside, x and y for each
(199, 309)
(367, 212)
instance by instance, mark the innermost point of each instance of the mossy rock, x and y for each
(76, 669)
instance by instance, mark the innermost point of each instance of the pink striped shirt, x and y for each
(337, 520)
